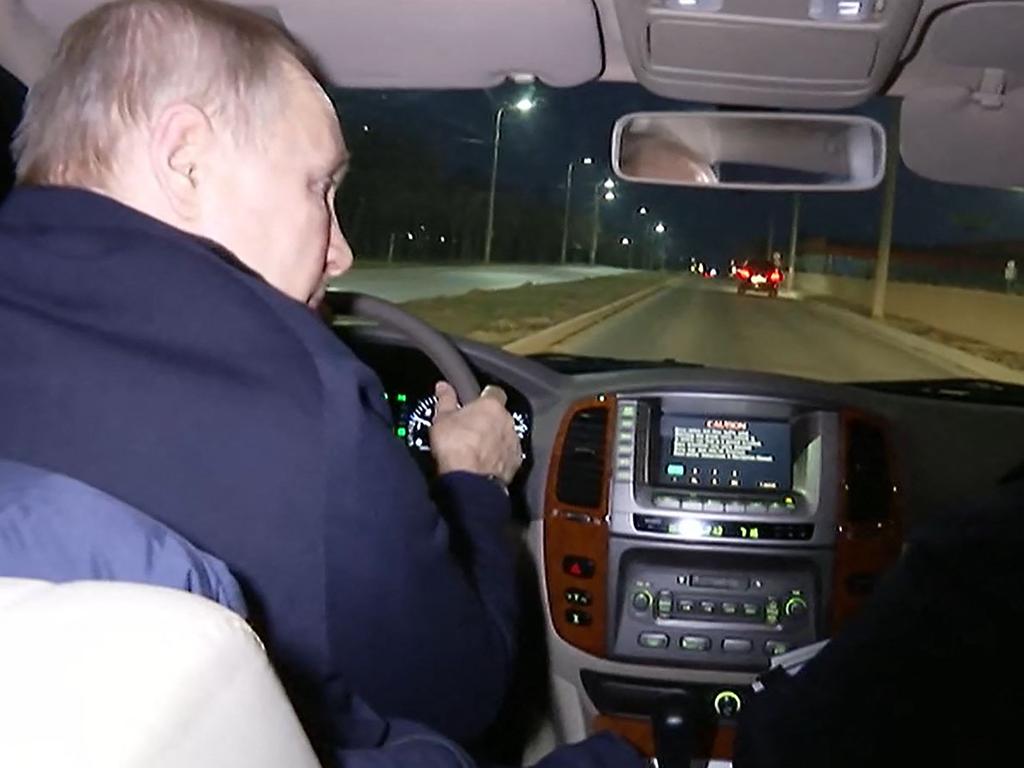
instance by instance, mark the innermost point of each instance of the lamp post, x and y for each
(568, 203)
(659, 229)
(643, 239)
(607, 185)
(523, 106)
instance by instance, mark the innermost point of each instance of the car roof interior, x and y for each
(958, 64)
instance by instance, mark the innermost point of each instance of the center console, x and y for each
(704, 534)
(722, 520)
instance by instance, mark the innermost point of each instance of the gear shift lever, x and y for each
(674, 731)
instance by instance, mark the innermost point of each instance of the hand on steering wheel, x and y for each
(479, 438)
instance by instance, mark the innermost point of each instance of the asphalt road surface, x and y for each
(407, 283)
(709, 324)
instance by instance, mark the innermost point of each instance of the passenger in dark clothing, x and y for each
(928, 675)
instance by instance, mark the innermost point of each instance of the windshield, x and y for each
(495, 216)
(566, 237)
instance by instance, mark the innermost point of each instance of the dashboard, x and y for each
(686, 524)
(409, 377)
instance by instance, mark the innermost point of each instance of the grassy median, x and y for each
(500, 317)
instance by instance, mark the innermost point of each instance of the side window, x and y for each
(12, 95)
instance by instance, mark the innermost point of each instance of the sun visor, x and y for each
(962, 136)
(420, 44)
(803, 54)
(963, 108)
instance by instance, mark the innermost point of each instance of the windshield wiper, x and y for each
(572, 364)
(982, 391)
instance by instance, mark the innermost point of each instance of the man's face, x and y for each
(271, 202)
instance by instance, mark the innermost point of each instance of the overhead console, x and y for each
(710, 532)
(803, 54)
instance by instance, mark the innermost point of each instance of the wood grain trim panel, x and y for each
(864, 549)
(713, 743)
(579, 532)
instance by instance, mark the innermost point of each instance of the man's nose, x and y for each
(339, 254)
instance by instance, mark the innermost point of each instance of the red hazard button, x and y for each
(580, 567)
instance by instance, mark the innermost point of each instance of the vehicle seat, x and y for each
(131, 676)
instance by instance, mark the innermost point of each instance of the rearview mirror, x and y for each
(752, 151)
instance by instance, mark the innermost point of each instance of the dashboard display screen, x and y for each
(724, 454)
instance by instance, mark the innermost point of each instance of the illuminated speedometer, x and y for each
(421, 418)
(521, 425)
(417, 435)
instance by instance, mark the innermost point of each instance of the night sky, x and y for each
(573, 123)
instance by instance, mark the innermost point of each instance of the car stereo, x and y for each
(721, 520)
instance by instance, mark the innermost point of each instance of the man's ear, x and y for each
(180, 148)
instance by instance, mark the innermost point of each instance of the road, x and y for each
(709, 324)
(407, 283)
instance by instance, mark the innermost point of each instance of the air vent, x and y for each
(581, 468)
(869, 483)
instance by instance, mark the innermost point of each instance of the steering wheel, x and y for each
(429, 341)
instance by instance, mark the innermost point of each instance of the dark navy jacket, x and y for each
(151, 365)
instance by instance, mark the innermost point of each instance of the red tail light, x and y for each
(743, 273)
(775, 276)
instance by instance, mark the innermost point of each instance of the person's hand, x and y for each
(479, 438)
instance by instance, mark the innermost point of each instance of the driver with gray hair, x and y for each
(172, 228)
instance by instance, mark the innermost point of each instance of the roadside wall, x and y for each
(994, 318)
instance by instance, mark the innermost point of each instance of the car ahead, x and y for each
(761, 276)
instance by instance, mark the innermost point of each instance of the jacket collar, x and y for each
(70, 208)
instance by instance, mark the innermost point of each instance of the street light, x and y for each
(659, 228)
(624, 241)
(568, 203)
(523, 106)
(608, 185)
(643, 210)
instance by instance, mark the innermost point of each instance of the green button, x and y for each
(695, 643)
(676, 470)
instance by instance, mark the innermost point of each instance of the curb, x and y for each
(549, 337)
(971, 365)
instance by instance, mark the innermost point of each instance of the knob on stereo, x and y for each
(642, 601)
(796, 607)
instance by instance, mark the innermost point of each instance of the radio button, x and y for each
(756, 508)
(578, 618)
(694, 643)
(714, 507)
(751, 610)
(663, 609)
(730, 609)
(775, 647)
(737, 645)
(577, 597)
(735, 507)
(685, 606)
(666, 502)
(653, 640)
(693, 505)
(706, 606)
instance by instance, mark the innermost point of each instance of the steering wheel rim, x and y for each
(431, 342)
